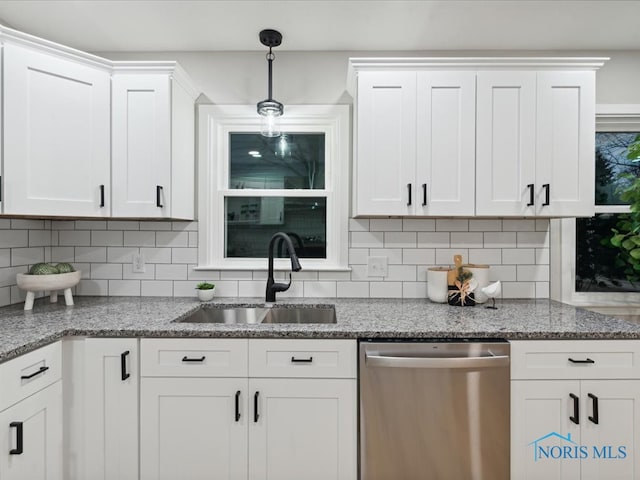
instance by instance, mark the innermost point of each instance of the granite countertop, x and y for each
(356, 318)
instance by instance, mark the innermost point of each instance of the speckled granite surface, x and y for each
(356, 318)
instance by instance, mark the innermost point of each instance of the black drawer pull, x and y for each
(42, 370)
(530, 187)
(19, 440)
(588, 360)
(255, 407)
(101, 196)
(159, 196)
(187, 359)
(594, 418)
(123, 366)
(238, 406)
(301, 360)
(576, 409)
(424, 194)
(547, 193)
(409, 191)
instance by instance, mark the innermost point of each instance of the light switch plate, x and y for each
(377, 266)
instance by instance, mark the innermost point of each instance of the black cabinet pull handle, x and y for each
(159, 196)
(187, 359)
(101, 196)
(547, 193)
(238, 406)
(594, 418)
(530, 187)
(123, 366)
(41, 370)
(424, 194)
(0, 188)
(19, 439)
(256, 416)
(588, 360)
(576, 409)
(301, 360)
(409, 191)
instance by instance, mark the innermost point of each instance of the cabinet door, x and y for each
(445, 158)
(612, 441)
(190, 428)
(506, 142)
(111, 409)
(141, 161)
(56, 135)
(541, 429)
(565, 165)
(386, 138)
(302, 429)
(39, 418)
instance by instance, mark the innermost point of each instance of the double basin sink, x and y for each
(231, 314)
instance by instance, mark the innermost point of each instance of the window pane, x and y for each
(599, 268)
(611, 161)
(293, 160)
(252, 221)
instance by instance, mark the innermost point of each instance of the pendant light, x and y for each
(270, 109)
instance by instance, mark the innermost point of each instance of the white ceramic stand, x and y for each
(48, 283)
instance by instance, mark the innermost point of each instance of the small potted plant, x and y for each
(205, 291)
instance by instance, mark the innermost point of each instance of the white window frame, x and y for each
(215, 122)
(609, 118)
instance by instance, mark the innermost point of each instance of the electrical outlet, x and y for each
(377, 266)
(138, 263)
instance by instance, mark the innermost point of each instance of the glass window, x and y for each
(611, 161)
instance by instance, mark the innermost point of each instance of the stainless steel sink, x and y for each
(301, 314)
(229, 315)
(254, 315)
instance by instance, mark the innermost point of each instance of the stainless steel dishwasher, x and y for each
(434, 410)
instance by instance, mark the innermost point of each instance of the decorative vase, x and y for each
(205, 295)
(437, 284)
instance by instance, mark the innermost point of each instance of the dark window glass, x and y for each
(252, 221)
(293, 160)
(611, 161)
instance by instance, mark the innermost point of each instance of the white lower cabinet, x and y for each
(31, 439)
(217, 427)
(577, 427)
(110, 423)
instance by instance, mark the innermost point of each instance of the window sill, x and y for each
(276, 268)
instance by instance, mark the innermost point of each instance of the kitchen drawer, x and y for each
(303, 358)
(193, 357)
(29, 373)
(575, 359)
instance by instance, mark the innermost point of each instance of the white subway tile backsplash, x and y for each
(394, 255)
(63, 225)
(320, 289)
(5, 257)
(157, 288)
(171, 272)
(172, 239)
(184, 288)
(184, 226)
(385, 289)
(251, 288)
(156, 255)
(93, 287)
(533, 239)
(26, 224)
(27, 256)
(520, 225)
(129, 288)
(542, 289)
(485, 256)
(335, 276)
(123, 225)
(500, 240)
(536, 273)
(8, 275)
(184, 255)
(434, 239)
(224, 288)
(414, 289)
(148, 274)
(542, 224)
(5, 223)
(419, 256)
(64, 254)
(193, 239)
(155, 226)
(297, 276)
(296, 290)
(358, 225)
(385, 225)
(504, 273)
(400, 239)
(452, 225)
(518, 290)
(401, 272)
(14, 238)
(444, 256)
(542, 256)
(485, 225)
(107, 238)
(39, 238)
(5, 296)
(121, 254)
(358, 256)
(203, 275)
(106, 271)
(91, 254)
(367, 239)
(91, 225)
(515, 256)
(418, 225)
(466, 240)
(236, 275)
(352, 289)
(72, 238)
(360, 273)
(139, 239)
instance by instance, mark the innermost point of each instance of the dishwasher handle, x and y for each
(437, 362)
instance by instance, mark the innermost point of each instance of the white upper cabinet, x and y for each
(153, 145)
(415, 143)
(494, 137)
(56, 134)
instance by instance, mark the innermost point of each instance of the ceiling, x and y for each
(223, 25)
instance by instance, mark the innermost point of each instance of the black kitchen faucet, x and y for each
(272, 286)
